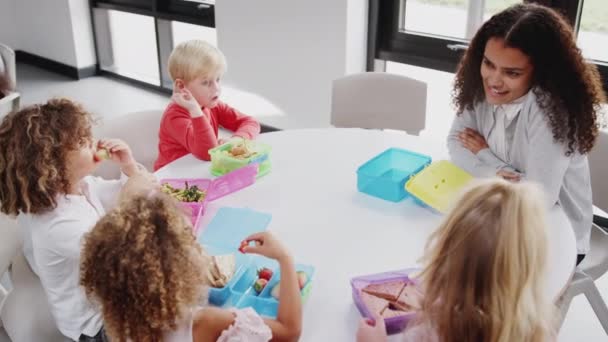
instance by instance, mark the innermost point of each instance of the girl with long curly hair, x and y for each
(47, 154)
(143, 265)
(528, 109)
(484, 271)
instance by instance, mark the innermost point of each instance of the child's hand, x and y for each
(371, 330)
(138, 184)
(235, 139)
(119, 153)
(185, 99)
(267, 245)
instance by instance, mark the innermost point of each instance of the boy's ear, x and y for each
(179, 84)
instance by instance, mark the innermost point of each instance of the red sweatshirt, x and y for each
(181, 134)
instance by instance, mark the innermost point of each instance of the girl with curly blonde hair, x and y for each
(529, 109)
(143, 265)
(484, 272)
(47, 154)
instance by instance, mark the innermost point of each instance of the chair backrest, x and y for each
(9, 103)
(379, 100)
(599, 171)
(8, 67)
(140, 131)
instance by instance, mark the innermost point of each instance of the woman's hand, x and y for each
(472, 140)
(509, 176)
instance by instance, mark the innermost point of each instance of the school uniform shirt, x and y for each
(529, 149)
(180, 134)
(52, 246)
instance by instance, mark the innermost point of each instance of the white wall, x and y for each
(8, 30)
(44, 29)
(82, 33)
(59, 30)
(290, 51)
(356, 36)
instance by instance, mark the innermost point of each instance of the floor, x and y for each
(108, 97)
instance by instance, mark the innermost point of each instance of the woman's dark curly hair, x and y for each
(34, 143)
(142, 263)
(567, 88)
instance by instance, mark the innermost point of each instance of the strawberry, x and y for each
(265, 273)
(302, 279)
(244, 244)
(259, 285)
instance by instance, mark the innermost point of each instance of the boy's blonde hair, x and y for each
(34, 147)
(142, 263)
(485, 267)
(195, 58)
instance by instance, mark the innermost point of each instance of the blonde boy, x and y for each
(190, 122)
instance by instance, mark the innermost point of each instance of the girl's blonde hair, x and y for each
(34, 147)
(142, 263)
(195, 58)
(485, 267)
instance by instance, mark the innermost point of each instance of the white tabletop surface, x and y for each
(318, 213)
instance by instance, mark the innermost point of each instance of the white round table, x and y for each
(318, 213)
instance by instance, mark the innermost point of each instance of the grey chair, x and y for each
(379, 100)
(140, 131)
(8, 66)
(595, 263)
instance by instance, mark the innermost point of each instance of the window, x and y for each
(451, 18)
(135, 37)
(593, 30)
(426, 33)
(183, 32)
(434, 33)
(133, 47)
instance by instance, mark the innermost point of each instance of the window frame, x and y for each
(387, 42)
(163, 12)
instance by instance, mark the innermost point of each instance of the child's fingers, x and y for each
(113, 147)
(252, 249)
(119, 147)
(379, 323)
(256, 237)
(102, 143)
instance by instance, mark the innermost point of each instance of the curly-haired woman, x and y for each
(47, 154)
(528, 109)
(143, 265)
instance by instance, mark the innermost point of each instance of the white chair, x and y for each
(8, 66)
(9, 246)
(595, 263)
(140, 131)
(378, 100)
(24, 309)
